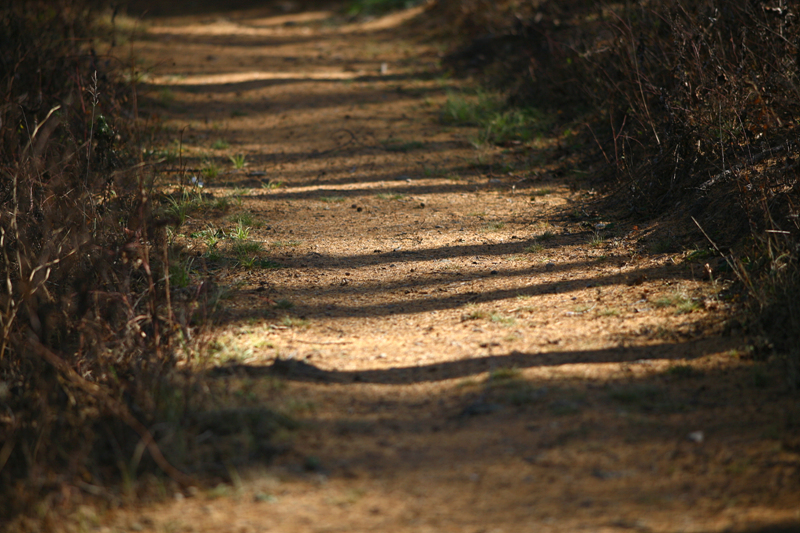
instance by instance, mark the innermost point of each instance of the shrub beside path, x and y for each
(465, 344)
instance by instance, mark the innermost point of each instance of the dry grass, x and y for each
(689, 107)
(97, 308)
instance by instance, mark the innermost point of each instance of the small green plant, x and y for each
(240, 232)
(506, 321)
(220, 144)
(161, 155)
(294, 322)
(681, 371)
(534, 248)
(239, 161)
(515, 125)
(699, 254)
(495, 226)
(189, 201)
(180, 207)
(213, 254)
(244, 218)
(180, 274)
(220, 204)
(467, 383)
(246, 248)
(237, 197)
(220, 491)
(473, 313)
(546, 236)
(248, 263)
(171, 234)
(254, 262)
(682, 303)
(504, 374)
(165, 97)
(597, 240)
(498, 124)
(209, 169)
(271, 185)
(462, 110)
(689, 305)
(284, 304)
(434, 171)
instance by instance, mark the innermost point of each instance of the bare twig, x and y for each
(321, 342)
(598, 144)
(743, 277)
(115, 407)
(95, 100)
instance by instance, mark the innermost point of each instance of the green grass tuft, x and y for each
(497, 123)
(283, 304)
(246, 248)
(682, 371)
(209, 169)
(239, 161)
(534, 249)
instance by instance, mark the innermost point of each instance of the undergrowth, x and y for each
(94, 329)
(497, 122)
(693, 109)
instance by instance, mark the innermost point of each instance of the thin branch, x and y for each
(118, 409)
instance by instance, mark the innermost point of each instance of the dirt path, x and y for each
(464, 353)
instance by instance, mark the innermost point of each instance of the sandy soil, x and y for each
(467, 347)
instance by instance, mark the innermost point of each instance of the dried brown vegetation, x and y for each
(693, 109)
(91, 333)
